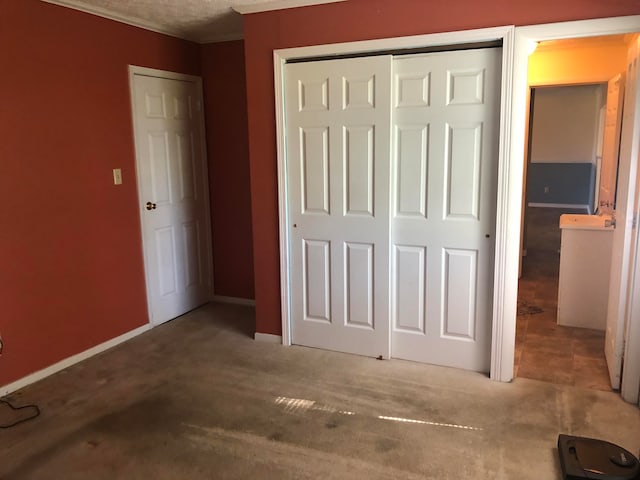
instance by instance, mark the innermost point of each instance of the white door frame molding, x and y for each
(515, 44)
(152, 72)
(505, 34)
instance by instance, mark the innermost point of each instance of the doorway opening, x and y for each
(565, 174)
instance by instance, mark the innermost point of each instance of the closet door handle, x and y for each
(150, 206)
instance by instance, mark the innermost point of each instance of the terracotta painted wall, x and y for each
(228, 151)
(71, 269)
(350, 21)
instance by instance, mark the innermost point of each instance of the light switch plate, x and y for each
(117, 176)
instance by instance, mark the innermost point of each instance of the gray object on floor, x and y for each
(525, 308)
(590, 458)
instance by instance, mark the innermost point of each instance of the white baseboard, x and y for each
(560, 205)
(67, 362)
(267, 338)
(234, 300)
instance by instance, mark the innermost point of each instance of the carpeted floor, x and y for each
(198, 398)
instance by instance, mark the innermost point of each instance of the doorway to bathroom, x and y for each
(569, 115)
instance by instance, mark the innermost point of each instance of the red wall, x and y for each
(228, 151)
(350, 21)
(71, 269)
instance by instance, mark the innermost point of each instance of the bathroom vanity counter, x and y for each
(585, 261)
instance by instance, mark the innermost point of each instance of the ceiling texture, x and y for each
(201, 21)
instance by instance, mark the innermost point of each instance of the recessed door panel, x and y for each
(412, 90)
(181, 107)
(465, 87)
(166, 248)
(463, 157)
(359, 281)
(410, 287)
(358, 92)
(317, 280)
(193, 262)
(155, 105)
(185, 162)
(315, 169)
(160, 167)
(459, 314)
(411, 169)
(313, 95)
(359, 168)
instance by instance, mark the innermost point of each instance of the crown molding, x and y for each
(157, 28)
(129, 20)
(213, 38)
(279, 5)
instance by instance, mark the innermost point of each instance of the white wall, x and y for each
(565, 124)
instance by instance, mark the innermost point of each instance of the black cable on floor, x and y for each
(22, 420)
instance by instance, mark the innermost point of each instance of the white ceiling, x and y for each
(202, 21)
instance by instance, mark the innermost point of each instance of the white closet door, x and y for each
(338, 115)
(445, 157)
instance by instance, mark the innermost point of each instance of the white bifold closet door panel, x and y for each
(444, 183)
(338, 129)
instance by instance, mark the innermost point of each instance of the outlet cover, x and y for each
(117, 176)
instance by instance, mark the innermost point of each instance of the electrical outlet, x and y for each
(546, 189)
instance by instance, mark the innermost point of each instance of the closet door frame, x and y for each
(504, 34)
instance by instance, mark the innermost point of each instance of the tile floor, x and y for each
(544, 350)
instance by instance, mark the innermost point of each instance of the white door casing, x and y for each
(445, 160)
(173, 191)
(505, 284)
(338, 144)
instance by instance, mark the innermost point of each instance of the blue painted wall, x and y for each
(568, 183)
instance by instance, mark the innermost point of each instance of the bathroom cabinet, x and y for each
(585, 261)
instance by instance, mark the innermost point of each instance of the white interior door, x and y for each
(622, 258)
(445, 156)
(338, 145)
(173, 193)
(611, 143)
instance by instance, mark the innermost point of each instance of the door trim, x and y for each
(152, 72)
(506, 35)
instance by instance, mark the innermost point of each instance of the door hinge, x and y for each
(634, 221)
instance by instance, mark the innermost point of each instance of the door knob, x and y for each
(150, 206)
